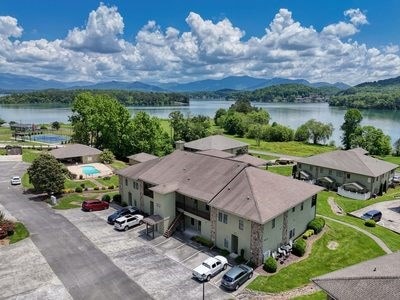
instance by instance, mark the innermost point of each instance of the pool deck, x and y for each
(104, 170)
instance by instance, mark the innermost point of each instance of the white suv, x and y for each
(210, 267)
(15, 180)
(127, 221)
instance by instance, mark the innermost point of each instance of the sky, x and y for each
(182, 41)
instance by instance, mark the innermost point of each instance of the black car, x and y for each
(122, 212)
(236, 277)
(374, 214)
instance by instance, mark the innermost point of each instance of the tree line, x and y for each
(124, 97)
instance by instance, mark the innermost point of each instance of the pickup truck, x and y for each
(210, 267)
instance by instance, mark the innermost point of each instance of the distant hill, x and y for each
(122, 85)
(382, 94)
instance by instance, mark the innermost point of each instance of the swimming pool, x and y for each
(89, 170)
(50, 138)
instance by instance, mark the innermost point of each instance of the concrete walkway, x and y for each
(375, 238)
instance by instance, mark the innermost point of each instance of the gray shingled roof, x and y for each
(250, 159)
(218, 142)
(142, 157)
(229, 185)
(74, 150)
(352, 161)
(216, 153)
(259, 195)
(378, 278)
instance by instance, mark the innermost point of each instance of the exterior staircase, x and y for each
(171, 229)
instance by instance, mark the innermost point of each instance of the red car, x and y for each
(90, 205)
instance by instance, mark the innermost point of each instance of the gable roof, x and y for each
(259, 195)
(216, 153)
(229, 185)
(218, 142)
(74, 150)
(352, 161)
(378, 278)
(142, 157)
(250, 159)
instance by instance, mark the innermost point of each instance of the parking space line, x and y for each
(182, 261)
(180, 246)
(163, 242)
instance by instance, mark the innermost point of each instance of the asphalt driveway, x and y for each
(85, 271)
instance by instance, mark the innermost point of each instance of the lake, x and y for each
(289, 114)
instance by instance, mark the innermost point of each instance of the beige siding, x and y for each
(205, 225)
(272, 236)
(164, 206)
(126, 185)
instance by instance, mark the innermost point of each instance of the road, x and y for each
(85, 271)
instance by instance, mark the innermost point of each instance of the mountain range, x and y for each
(12, 82)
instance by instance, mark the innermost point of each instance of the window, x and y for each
(192, 221)
(330, 172)
(314, 200)
(126, 181)
(339, 173)
(135, 185)
(293, 209)
(302, 206)
(291, 233)
(241, 224)
(226, 244)
(273, 223)
(225, 218)
(311, 168)
(207, 208)
(348, 175)
(220, 216)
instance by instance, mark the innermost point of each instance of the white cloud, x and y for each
(206, 50)
(101, 33)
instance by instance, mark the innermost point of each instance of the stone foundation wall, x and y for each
(256, 243)
(213, 220)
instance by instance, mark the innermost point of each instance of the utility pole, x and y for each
(203, 289)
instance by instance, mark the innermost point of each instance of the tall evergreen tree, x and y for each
(351, 127)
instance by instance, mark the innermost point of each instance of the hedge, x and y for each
(117, 198)
(106, 198)
(299, 247)
(317, 225)
(203, 241)
(370, 223)
(270, 265)
(78, 189)
(308, 233)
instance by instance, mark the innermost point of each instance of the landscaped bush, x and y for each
(223, 252)
(117, 198)
(124, 204)
(270, 265)
(308, 233)
(317, 225)
(203, 241)
(299, 247)
(370, 223)
(96, 188)
(103, 188)
(110, 187)
(81, 176)
(86, 189)
(78, 189)
(106, 198)
(83, 185)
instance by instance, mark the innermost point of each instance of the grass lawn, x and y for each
(390, 238)
(165, 125)
(281, 170)
(65, 201)
(25, 181)
(5, 134)
(20, 233)
(3, 152)
(72, 184)
(314, 296)
(113, 180)
(29, 155)
(392, 159)
(353, 248)
(118, 164)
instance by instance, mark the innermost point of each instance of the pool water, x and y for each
(89, 170)
(50, 138)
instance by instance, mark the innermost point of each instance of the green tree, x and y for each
(234, 123)
(197, 127)
(148, 136)
(218, 114)
(302, 134)
(242, 106)
(278, 133)
(318, 131)
(373, 140)
(47, 175)
(351, 126)
(107, 156)
(56, 125)
(396, 146)
(178, 125)
(261, 117)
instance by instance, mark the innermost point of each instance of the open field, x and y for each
(281, 170)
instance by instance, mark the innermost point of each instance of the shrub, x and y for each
(299, 247)
(107, 157)
(317, 225)
(124, 204)
(110, 187)
(96, 188)
(203, 241)
(83, 185)
(308, 233)
(240, 259)
(270, 265)
(117, 198)
(106, 198)
(78, 189)
(103, 188)
(86, 189)
(370, 223)
(81, 176)
(223, 252)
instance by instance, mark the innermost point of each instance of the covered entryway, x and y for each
(234, 244)
(152, 224)
(327, 182)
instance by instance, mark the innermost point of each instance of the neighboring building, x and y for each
(140, 157)
(216, 142)
(378, 278)
(216, 153)
(235, 205)
(251, 160)
(76, 153)
(352, 173)
(19, 127)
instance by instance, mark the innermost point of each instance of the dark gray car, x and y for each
(236, 276)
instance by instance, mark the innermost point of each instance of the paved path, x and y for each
(85, 271)
(375, 238)
(294, 158)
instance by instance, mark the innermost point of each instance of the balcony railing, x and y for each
(193, 210)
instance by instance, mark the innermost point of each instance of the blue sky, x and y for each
(349, 41)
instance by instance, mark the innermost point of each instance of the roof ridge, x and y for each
(363, 162)
(254, 198)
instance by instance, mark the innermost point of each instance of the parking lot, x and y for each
(161, 266)
(390, 213)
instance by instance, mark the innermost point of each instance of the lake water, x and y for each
(291, 115)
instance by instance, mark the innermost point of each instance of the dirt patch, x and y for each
(337, 210)
(332, 245)
(4, 242)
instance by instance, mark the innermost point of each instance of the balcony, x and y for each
(353, 195)
(193, 210)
